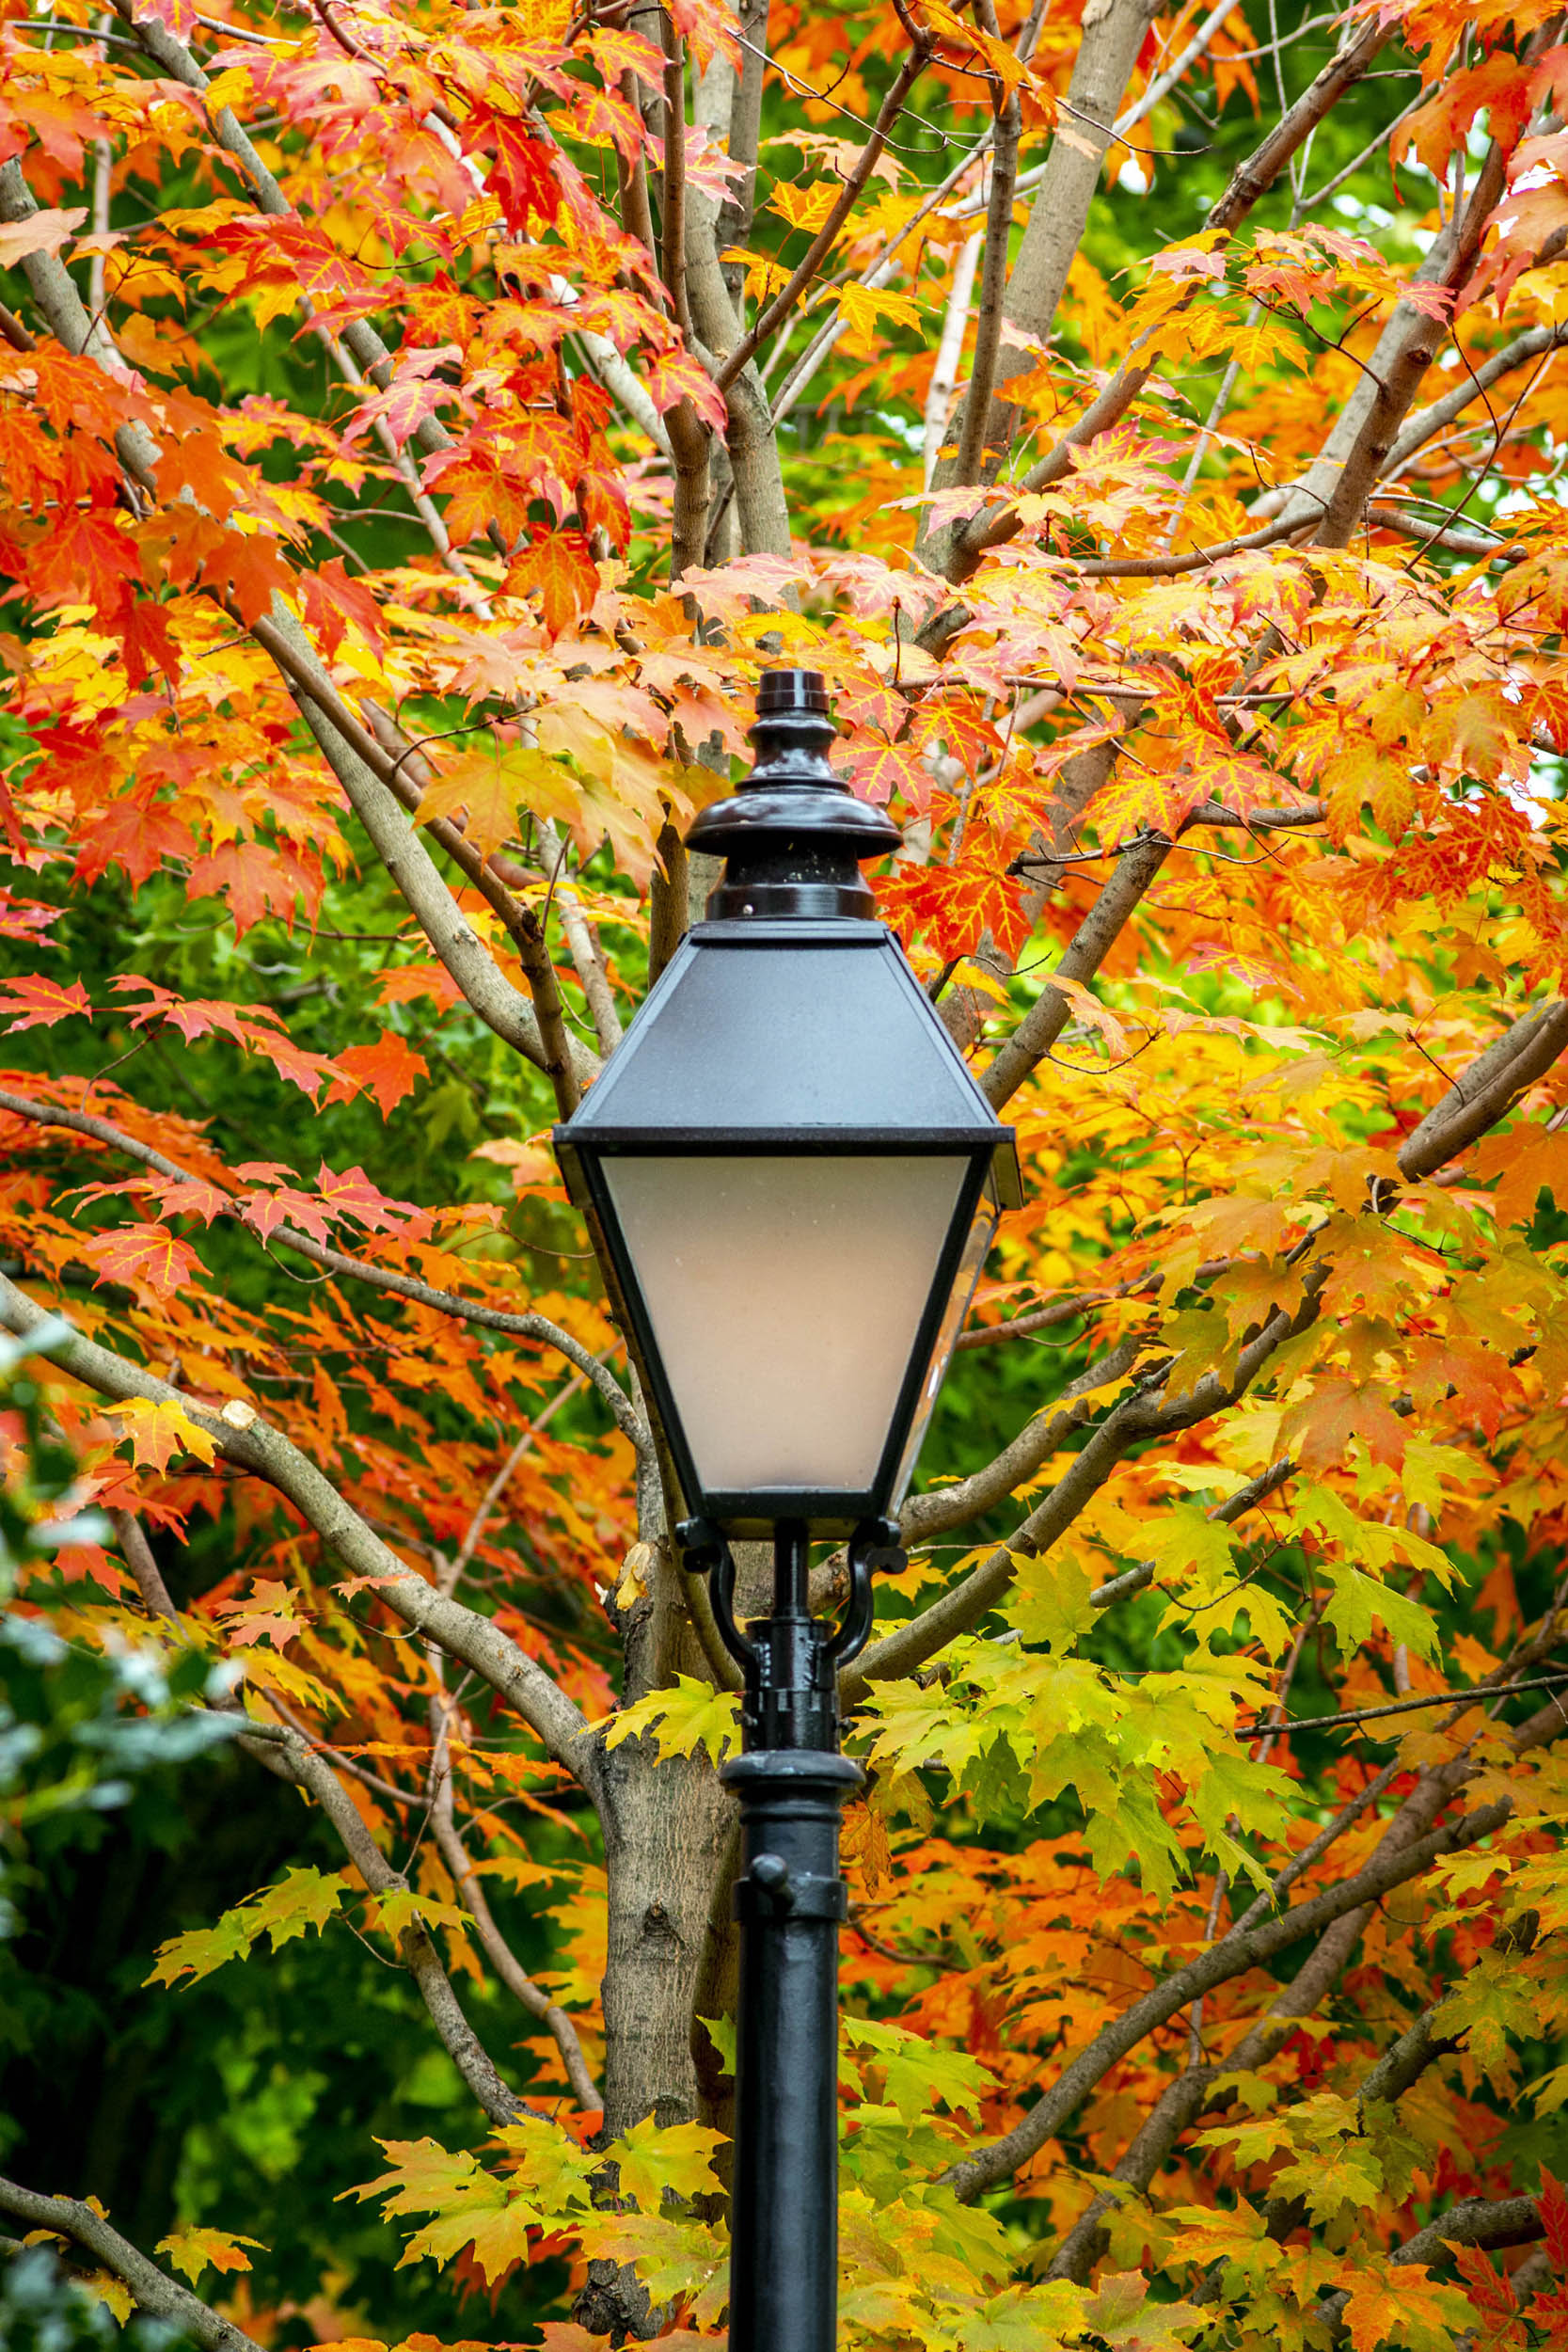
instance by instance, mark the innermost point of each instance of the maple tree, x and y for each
(418, 426)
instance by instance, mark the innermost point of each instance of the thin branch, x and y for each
(1007, 118)
(242, 1437)
(1290, 1725)
(338, 1262)
(1487, 1090)
(877, 273)
(1249, 183)
(943, 1507)
(154, 2291)
(673, 204)
(448, 1844)
(1173, 73)
(1420, 427)
(1040, 1027)
(776, 311)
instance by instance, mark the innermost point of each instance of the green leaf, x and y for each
(692, 1715)
(400, 1906)
(1358, 1604)
(918, 2073)
(675, 2157)
(1027, 2319)
(720, 2032)
(1049, 1600)
(302, 1897)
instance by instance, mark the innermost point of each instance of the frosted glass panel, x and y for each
(952, 1324)
(785, 1296)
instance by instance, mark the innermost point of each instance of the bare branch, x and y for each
(943, 1507)
(1483, 1096)
(502, 1959)
(1475, 383)
(673, 192)
(1247, 186)
(155, 2292)
(291, 1758)
(143, 1566)
(1037, 1032)
(1007, 118)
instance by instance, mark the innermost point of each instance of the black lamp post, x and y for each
(791, 1181)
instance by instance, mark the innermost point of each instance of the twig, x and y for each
(822, 244)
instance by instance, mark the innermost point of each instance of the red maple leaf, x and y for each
(388, 1069)
(39, 1003)
(953, 908)
(524, 174)
(149, 1258)
(333, 603)
(559, 569)
(675, 375)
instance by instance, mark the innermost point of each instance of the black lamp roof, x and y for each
(791, 1019)
(793, 1025)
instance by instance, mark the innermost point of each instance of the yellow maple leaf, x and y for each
(196, 2250)
(159, 1428)
(492, 788)
(805, 208)
(861, 307)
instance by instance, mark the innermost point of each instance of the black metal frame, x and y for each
(826, 1511)
(788, 1899)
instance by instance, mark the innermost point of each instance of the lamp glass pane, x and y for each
(786, 1296)
(974, 1258)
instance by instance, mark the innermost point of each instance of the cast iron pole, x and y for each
(791, 1782)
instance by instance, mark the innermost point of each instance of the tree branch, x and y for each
(155, 2292)
(673, 192)
(1417, 429)
(1049, 1015)
(943, 1507)
(1007, 120)
(293, 1757)
(502, 1959)
(1250, 183)
(1242, 1948)
(1485, 1092)
(627, 1418)
(242, 1437)
(774, 313)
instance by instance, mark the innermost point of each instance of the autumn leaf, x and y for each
(561, 572)
(389, 1070)
(674, 376)
(656, 2158)
(41, 232)
(193, 2250)
(149, 1257)
(39, 1003)
(494, 788)
(159, 1428)
(1404, 2306)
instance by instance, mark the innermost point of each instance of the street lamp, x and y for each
(791, 1181)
